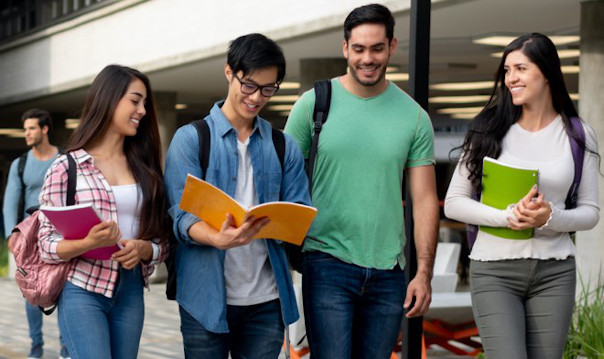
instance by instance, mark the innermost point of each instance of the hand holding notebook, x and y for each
(504, 185)
(75, 222)
(532, 211)
(289, 222)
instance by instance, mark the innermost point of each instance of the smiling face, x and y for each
(525, 81)
(130, 109)
(367, 52)
(240, 106)
(34, 135)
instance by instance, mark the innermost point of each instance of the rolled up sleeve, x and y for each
(182, 158)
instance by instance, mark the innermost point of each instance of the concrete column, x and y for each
(590, 261)
(166, 116)
(319, 69)
(60, 135)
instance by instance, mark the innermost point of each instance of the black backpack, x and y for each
(320, 112)
(20, 170)
(203, 133)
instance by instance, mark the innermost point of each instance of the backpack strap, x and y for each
(21, 166)
(20, 171)
(71, 189)
(72, 180)
(203, 133)
(279, 143)
(578, 156)
(320, 113)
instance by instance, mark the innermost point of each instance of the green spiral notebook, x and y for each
(502, 185)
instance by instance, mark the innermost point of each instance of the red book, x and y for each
(74, 222)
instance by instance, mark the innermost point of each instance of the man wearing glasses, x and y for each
(235, 294)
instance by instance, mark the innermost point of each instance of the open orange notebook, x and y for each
(289, 221)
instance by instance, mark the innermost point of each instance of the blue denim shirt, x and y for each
(201, 289)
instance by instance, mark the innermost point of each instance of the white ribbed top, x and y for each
(548, 150)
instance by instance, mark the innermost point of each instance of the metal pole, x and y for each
(419, 57)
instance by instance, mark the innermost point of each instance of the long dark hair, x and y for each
(492, 123)
(143, 151)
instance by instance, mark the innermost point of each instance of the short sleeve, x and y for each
(300, 123)
(422, 147)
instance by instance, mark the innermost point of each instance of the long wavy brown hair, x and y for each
(143, 151)
(492, 123)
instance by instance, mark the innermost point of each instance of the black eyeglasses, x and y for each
(249, 88)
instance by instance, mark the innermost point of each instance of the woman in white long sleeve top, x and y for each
(523, 290)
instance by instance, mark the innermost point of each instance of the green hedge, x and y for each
(586, 333)
(3, 257)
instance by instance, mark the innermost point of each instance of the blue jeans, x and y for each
(34, 321)
(351, 311)
(94, 326)
(255, 331)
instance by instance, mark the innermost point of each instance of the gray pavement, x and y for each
(161, 333)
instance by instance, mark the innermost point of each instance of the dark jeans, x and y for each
(351, 311)
(255, 331)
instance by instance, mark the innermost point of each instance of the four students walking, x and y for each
(235, 294)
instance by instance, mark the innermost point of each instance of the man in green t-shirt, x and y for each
(353, 282)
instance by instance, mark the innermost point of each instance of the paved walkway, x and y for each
(161, 333)
(161, 337)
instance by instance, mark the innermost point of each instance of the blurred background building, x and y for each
(50, 50)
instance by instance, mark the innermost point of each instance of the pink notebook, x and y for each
(74, 222)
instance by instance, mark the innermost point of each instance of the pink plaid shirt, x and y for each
(98, 276)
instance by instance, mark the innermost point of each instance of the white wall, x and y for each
(151, 35)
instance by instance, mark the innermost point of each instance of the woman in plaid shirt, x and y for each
(117, 151)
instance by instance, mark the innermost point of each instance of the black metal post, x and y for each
(419, 51)
(419, 58)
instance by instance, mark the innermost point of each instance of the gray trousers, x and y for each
(523, 307)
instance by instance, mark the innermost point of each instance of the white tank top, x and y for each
(128, 200)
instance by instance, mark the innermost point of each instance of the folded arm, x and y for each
(460, 206)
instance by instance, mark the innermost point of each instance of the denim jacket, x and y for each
(201, 288)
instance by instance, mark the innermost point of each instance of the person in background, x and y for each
(21, 193)
(353, 284)
(523, 291)
(118, 154)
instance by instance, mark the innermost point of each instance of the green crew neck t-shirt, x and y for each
(364, 146)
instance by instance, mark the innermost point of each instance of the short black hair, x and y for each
(253, 52)
(43, 117)
(369, 14)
